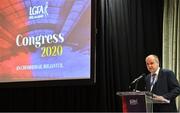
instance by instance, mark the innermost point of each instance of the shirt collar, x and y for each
(157, 71)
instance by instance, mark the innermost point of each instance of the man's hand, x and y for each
(160, 98)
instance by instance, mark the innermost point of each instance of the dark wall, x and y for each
(128, 30)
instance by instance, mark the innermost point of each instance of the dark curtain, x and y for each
(128, 30)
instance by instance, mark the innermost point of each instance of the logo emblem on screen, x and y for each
(39, 11)
(133, 101)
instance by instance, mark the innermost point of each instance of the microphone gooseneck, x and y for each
(135, 81)
(142, 75)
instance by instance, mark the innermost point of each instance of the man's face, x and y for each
(152, 64)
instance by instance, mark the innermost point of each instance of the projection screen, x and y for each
(45, 40)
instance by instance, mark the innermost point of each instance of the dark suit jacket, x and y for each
(166, 86)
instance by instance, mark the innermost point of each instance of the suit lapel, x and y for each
(148, 82)
(157, 82)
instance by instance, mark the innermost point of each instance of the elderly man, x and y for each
(163, 84)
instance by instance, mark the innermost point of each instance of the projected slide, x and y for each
(44, 40)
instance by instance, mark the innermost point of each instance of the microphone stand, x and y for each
(136, 81)
(136, 85)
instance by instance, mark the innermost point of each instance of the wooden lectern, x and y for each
(136, 101)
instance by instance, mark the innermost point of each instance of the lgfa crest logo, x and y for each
(39, 11)
(133, 101)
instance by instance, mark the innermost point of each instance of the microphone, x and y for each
(138, 78)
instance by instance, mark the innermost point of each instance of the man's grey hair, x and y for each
(155, 57)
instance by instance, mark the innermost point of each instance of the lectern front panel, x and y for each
(134, 103)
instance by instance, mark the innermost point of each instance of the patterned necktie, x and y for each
(152, 81)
